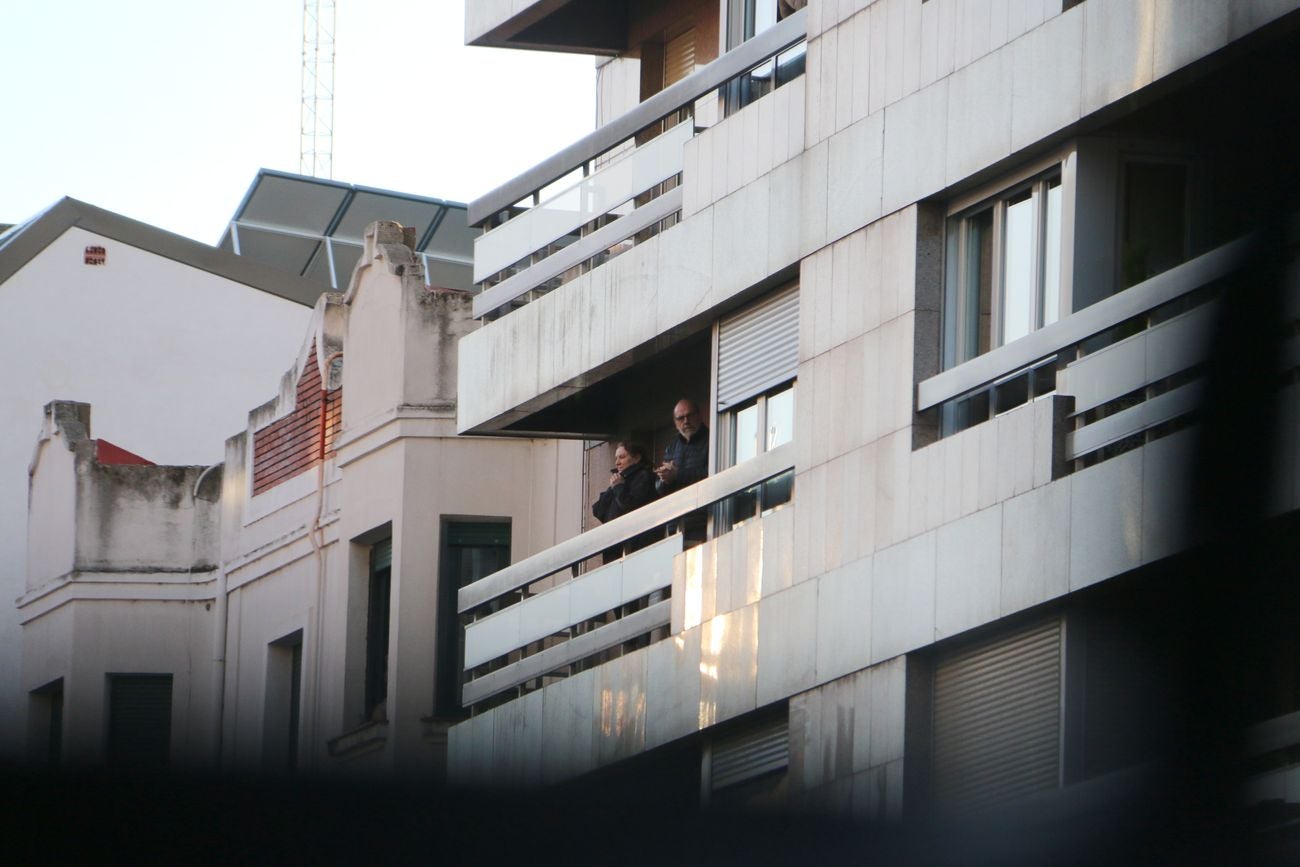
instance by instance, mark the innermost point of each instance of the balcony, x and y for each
(1133, 363)
(575, 210)
(537, 619)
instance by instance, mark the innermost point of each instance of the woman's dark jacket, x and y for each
(638, 488)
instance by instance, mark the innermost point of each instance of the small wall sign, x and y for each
(96, 255)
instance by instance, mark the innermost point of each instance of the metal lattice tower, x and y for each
(316, 136)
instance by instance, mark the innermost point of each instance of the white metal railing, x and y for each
(534, 244)
(590, 197)
(517, 635)
(1127, 387)
(572, 610)
(1053, 340)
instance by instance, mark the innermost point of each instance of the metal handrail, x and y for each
(495, 297)
(1077, 327)
(735, 62)
(597, 539)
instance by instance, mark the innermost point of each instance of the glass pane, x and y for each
(1052, 254)
(1017, 269)
(780, 418)
(959, 414)
(1155, 219)
(790, 65)
(1011, 394)
(761, 15)
(746, 439)
(744, 505)
(977, 305)
(777, 490)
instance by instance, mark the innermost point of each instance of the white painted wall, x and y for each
(172, 358)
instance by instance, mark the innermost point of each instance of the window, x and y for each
(744, 762)
(1155, 218)
(745, 20)
(472, 548)
(378, 607)
(758, 357)
(282, 714)
(45, 724)
(1010, 684)
(139, 720)
(762, 424)
(1003, 268)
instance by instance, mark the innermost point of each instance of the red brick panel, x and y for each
(292, 445)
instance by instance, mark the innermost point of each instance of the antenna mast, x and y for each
(316, 136)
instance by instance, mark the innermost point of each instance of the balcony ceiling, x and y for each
(576, 26)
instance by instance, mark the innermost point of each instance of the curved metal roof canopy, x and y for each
(312, 227)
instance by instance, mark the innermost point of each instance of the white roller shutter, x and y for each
(997, 719)
(758, 348)
(679, 57)
(761, 749)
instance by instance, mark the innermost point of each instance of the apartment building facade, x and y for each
(1000, 394)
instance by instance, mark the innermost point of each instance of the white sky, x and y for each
(164, 110)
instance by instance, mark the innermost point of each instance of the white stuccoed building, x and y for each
(171, 339)
(291, 608)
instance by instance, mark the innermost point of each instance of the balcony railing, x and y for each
(533, 241)
(1130, 361)
(518, 633)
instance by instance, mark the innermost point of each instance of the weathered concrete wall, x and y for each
(51, 493)
(121, 583)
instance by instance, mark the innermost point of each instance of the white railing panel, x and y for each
(560, 556)
(1133, 420)
(1135, 362)
(592, 197)
(1180, 343)
(650, 569)
(578, 252)
(573, 602)
(567, 653)
(486, 638)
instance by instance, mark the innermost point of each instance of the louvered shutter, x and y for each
(997, 719)
(381, 555)
(139, 719)
(679, 57)
(758, 347)
(745, 755)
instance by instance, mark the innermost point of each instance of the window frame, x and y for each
(728, 427)
(379, 607)
(742, 26)
(1035, 179)
(449, 640)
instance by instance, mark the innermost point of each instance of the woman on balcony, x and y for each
(631, 485)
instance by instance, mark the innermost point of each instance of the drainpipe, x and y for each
(317, 538)
(218, 638)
